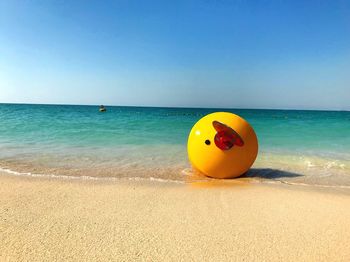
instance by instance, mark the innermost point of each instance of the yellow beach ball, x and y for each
(222, 145)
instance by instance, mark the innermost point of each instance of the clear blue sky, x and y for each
(251, 54)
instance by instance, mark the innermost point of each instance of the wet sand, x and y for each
(51, 219)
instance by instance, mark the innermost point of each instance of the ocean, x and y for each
(145, 143)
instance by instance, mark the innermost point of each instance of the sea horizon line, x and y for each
(177, 107)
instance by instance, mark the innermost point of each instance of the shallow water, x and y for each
(306, 147)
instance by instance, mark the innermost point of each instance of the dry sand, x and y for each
(46, 220)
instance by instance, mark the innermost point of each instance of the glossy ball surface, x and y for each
(222, 145)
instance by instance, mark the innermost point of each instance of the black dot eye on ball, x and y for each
(207, 142)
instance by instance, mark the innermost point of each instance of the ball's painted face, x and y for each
(222, 145)
(226, 137)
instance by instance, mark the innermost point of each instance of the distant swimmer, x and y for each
(102, 108)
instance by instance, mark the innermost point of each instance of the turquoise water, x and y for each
(299, 146)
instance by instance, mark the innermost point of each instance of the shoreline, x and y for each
(269, 168)
(187, 180)
(51, 219)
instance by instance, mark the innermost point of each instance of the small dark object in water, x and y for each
(102, 109)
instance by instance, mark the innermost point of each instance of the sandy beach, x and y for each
(50, 219)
